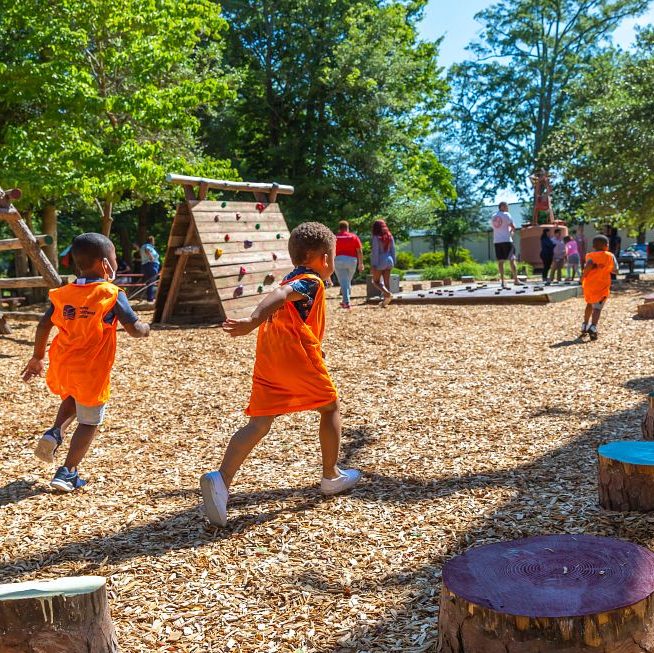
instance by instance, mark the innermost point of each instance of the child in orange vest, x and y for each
(289, 371)
(596, 283)
(86, 314)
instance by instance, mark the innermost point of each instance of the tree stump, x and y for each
(647, 425)
(626, 475)
(572, 593)
(67, 615)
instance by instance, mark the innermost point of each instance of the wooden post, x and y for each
(572, 593)
(67, 615)
(178, 275)
(10, 244)
(626, 475)
(50, 228)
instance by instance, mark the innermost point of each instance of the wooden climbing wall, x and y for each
(221, 258)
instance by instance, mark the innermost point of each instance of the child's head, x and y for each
(546, 232)
(567, 239)
(343, 226)
(557, 233)
(600, 243)
(94, 255)
(313, 245)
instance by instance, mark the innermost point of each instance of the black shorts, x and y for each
(503, 251)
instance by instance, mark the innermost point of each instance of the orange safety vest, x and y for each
(82, 353)
(289, 371)
(597, 281)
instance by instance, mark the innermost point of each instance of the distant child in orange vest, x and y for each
(289, 371)
(596, 283)
(86, 314)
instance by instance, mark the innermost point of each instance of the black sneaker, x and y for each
(592, 332)
(48, 444)
(66, 481)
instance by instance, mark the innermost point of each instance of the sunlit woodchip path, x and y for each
(472, 425)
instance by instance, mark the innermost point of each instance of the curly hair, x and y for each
(309, 238)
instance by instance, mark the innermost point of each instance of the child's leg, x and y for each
(377, 280)
(597, 312)
(242, 443)
(79, 444)
(386, 274)
(330, 438)
(65, 414)
(588, 313)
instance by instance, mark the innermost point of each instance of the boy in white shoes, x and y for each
(289, 370)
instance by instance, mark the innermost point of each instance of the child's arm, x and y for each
(616, 265)
(268, 305)
(590, 264)
(35, 365)
(129, 320)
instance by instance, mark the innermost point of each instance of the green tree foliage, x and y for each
(337, 98)
(515, 92)
(605, 152)
(98, 99)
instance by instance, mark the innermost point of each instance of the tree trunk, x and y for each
(50, 228)
(107, 217)
(446, 252)
(125, 244)
(572, 593)
(67, 615)
(626, 476)
(144, 223)
(640, 239)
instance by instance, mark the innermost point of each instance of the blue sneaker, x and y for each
(48, 444)
(66, 481)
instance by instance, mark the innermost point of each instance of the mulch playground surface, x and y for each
(471, 425)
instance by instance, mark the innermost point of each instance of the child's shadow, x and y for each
(569, 343)
(18, 490)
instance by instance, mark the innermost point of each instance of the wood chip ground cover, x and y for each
(471, 424)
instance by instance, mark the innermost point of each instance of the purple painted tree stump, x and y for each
(572, 593)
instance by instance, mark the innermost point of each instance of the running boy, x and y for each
(596, 282)
(289, 369)
(86, 313)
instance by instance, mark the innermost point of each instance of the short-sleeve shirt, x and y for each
(501, 224)
(347, 244)
(306, 287)
(571, 248)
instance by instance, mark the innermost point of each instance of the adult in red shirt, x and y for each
(349, 255)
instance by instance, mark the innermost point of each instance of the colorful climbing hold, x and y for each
(257, 226)
(274, 256)
(260, 289)
(223, 204)
(216, 218)
(247, 244)
(242, 272)
(260, 207)
(278, 236)
(219, 253)
(238, 216)
(238, 291)
(269, 278)
(226, 238)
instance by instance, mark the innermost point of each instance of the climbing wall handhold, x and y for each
(242, 272)
(216, 218)
(269, 278)
(226, 238)
(238, 216)
(247, 244)
(238, 291)
(219, 253)
(260, 289)
(257, 226)
(260, 207)
(278, 236)
(274, 256)
(223, 204)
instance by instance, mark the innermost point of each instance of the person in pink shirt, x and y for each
(572, 257)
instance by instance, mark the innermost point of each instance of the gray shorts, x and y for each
(598, 306)
(89, 415)
(573, 259)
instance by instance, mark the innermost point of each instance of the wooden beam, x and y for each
(178, 275)
(188, 249)
(24, 282)
(14, 243)
(220, 184)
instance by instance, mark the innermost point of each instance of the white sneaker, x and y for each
(346, 480)
(48, 444)
(215, 496)
(387, 300)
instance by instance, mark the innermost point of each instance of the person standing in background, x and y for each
(503, 230)
(349, 256)
(546, 252)
(149, 266)
(579, 238)
(382, 260)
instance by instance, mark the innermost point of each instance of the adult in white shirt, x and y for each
(503, 229)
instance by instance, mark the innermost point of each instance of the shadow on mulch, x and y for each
(18, 341)
(569, 343)
(19, 490)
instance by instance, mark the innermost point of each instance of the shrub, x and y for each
(471, 269)
(430, 259)
(405, 260)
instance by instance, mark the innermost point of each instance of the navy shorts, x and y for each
(504, 251)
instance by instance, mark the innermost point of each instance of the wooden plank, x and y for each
(232, 207)
(262, 267)
(242, 226)
(248, 258)
(222, 184)
(24, 282)
(228, 285)
(10, 244)
(188, 250)
(217, 236)
(238, 248)
(203, 217)
(177, 276)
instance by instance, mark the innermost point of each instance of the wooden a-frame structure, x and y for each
(222, 256)
(31, 245)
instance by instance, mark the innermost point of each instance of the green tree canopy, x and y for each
(515, 92)
(338, 98)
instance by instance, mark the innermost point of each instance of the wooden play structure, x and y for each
(31, 245)
(222, 256)
(572, 593)
(626, 475)
(67, 615)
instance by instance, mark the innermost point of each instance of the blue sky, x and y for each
(455, 20)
